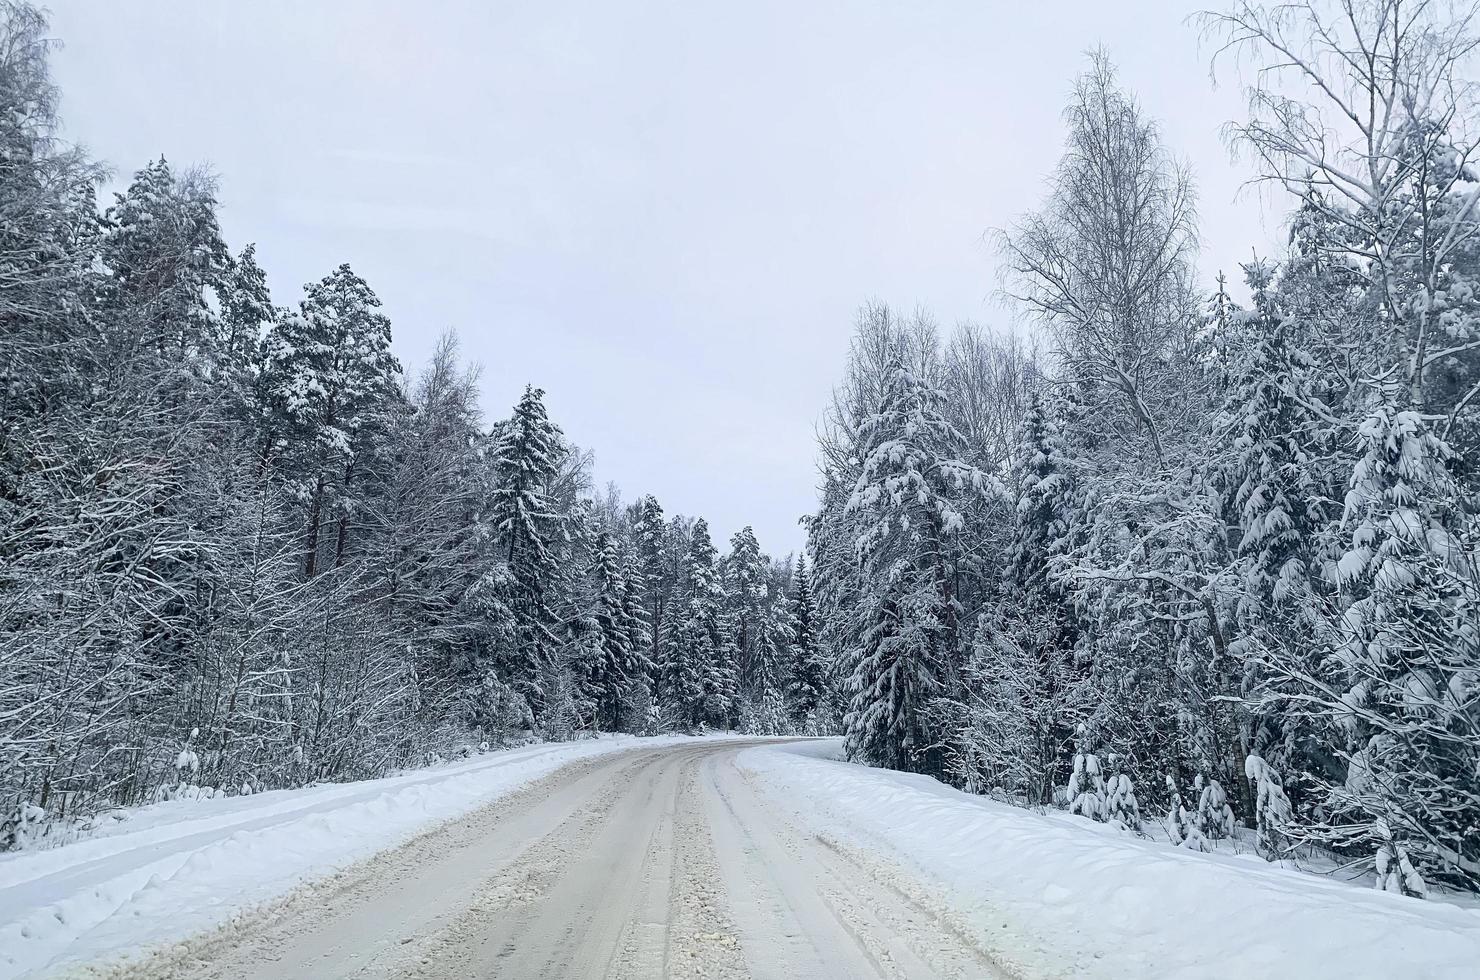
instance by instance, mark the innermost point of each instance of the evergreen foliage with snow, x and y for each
(1198, 536)
(1194, 536)
(242, 521)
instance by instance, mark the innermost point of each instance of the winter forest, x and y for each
(1196, 561)
(241, 548)
(1191, 547)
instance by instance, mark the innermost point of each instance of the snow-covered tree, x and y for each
(165, 252)
(1022, 681)
(525, 459)
(906, 498)
(699, 682)
(1214, 819)
(807, 688)
(650, 540)
(621, 660)
(1271, 806)
(745, 588)
(329, 377)
(1407, 661)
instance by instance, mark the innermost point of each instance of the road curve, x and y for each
(664, 862)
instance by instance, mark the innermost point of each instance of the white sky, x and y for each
(665, 214)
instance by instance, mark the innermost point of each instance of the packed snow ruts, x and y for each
(179, 868)
(714, 857)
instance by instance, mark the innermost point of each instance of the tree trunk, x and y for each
(315, 513)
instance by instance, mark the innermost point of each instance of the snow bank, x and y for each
(1093, 902)
(166, 871)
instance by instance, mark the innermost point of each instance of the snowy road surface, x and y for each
(665, 862)
(688, 858)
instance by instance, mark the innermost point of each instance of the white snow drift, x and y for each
(1083, 899)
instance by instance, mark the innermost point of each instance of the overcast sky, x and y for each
(665, 214)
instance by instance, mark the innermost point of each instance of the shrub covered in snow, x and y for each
(1271, 806)
(1214, 820)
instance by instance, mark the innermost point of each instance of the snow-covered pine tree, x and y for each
(1178, 823)
(1121, 806)
(1020, 702)
(1086, 793)
(771, 672)
(1276, 485)
(1183, 828)
(699, 682)
(526, 457)
(639, 695)
(246, 307)
(1408, 656)
(246, 314)
(838, 586)
(1271, 806)
(687, 657)
(1277, 420)
(1101, 789)
(744, 571)
(1214, 818)
(621, 659)
(906, 499)
(650, 549)
(329, 377)
(165, 252)
(807, 689)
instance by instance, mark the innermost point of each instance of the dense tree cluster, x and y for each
(238, 550)
(1202, 558)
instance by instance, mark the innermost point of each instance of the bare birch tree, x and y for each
(1106, 265)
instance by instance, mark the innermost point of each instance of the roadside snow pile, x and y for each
(1100, 903)
(172, 869)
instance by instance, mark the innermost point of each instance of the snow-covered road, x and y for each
(668, 862)
(683, 858)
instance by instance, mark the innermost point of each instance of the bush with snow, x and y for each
(1214, 820)
(1271, 806)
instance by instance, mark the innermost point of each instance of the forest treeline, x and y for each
(239, 550)
(1207, 560)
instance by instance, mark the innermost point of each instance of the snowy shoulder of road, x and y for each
(166, 871)
(1072, 897)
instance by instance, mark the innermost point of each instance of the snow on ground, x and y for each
(1058, 895)
(1098, 902)
(171, 869)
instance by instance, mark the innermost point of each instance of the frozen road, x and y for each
(663, 862)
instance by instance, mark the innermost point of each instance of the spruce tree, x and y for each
(699, 683)
(1276, 496)
(771, 671)
(1407, 657)
(909, 643)
(650, 537)
(621, 659)
(807, 689)
(526, 457)
(745, 580)
(165, 252)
